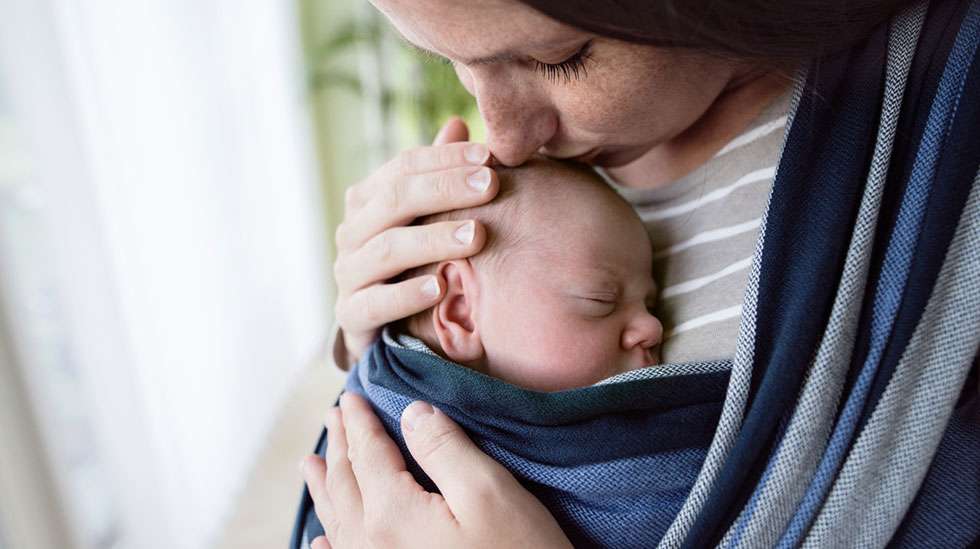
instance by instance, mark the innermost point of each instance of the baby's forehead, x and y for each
(569, 192)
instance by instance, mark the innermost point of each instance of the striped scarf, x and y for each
(849, 415)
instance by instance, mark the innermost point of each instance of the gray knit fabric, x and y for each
(891, 456)
(791, 468)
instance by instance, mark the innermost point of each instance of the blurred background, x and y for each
(171, 172)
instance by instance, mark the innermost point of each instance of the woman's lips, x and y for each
(596, 156)
(585, 157)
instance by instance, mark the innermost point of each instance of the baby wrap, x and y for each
(850, 415)
(612, 462)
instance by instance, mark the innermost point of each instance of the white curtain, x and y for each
(176, 242)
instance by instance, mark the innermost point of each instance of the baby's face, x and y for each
(570, 306)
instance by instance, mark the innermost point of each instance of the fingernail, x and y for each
(476, 153)
(302, 465)
(464, 234)
(431, 287)
(479, 180)
(415, 413)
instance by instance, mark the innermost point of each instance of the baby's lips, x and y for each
(651, 357)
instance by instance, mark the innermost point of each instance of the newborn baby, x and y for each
(556, 302)
(560, 295)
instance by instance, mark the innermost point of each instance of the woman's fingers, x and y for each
(481, 495)
(376, 460)
(466, 476)
(369, 308)
(417, 161)
(402, 248)
(341, 484)
(315, 475)
(414, 196)
(452, 131)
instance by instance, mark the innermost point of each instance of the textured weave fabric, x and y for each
(575, 450)
(889, 460)
(895, 269)
(823, 142)
(804, 440)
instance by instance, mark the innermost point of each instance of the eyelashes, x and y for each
(569, 70)
(565, 72)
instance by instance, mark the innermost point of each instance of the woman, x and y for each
(668, 99)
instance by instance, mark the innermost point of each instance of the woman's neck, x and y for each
(736, 107)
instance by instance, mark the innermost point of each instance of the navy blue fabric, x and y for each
(577, 451)
(958, 165)
(306, 520)
(816, 195)
(936, 40)
(899, 258)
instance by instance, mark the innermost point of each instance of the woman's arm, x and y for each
(365, 497)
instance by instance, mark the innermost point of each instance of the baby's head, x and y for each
(559, 296)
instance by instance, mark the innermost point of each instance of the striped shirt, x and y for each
(704, 228)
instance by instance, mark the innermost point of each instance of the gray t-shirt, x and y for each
(704, 229)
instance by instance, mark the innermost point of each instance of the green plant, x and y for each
(426, 95)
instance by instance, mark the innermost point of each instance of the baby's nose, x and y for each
(645, 331)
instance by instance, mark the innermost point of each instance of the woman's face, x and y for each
(542, 86)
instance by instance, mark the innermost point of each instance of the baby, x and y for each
(560, 295)
(557, 301)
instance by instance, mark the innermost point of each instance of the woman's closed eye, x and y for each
(572, 68)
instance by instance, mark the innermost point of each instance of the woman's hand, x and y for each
(365, 497)
(374, 243)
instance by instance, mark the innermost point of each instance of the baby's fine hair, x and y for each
(504, 217)
(539, 179)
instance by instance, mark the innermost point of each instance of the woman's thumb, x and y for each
(448, 456)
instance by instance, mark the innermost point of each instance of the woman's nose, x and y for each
(644, 331)
(518, 121)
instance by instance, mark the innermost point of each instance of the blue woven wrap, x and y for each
(582, 452)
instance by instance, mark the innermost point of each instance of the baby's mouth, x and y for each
(651, 356)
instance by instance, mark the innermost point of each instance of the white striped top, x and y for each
(704, 228)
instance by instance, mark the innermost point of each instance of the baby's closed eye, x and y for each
(597, 306)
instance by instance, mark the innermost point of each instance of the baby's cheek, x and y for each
(534, 342)
(563, 357)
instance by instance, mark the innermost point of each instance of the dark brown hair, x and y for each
(781, 30)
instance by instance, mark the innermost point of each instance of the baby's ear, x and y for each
(453, 318)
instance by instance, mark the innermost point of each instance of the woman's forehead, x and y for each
(476, 32)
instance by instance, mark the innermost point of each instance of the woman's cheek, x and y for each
(604, 105)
